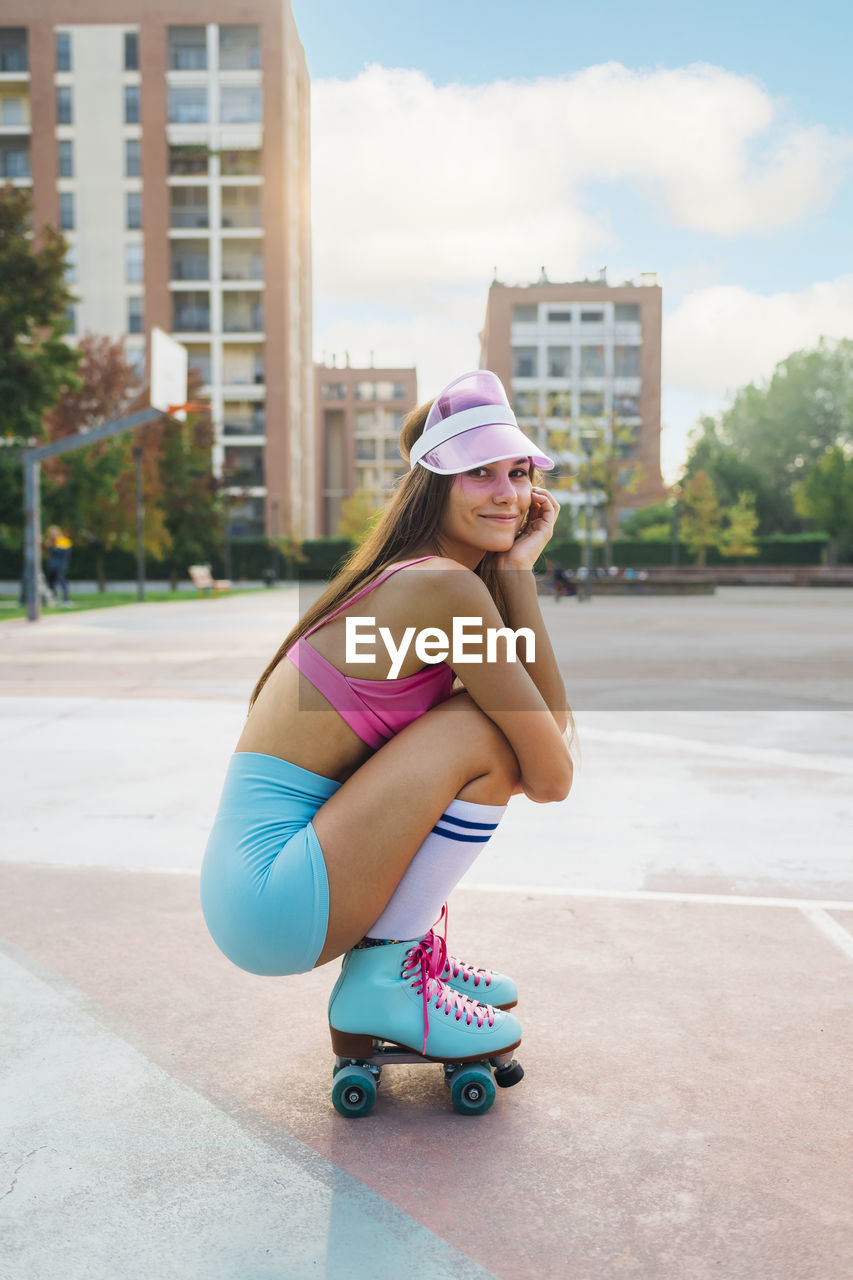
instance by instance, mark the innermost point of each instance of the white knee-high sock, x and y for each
(460, 834)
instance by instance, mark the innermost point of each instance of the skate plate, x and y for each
(471, 1083)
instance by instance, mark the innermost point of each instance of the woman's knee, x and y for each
(497, 773)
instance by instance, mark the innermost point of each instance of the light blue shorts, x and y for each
(264, 888)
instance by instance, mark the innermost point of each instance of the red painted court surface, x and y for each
(681, 931)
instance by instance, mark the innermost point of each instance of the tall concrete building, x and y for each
(359, 415)
(583, 355)
(171, 145)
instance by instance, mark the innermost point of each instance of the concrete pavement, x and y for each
(680, 928)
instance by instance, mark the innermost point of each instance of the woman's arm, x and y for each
(522, 606)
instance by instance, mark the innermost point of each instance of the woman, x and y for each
(354, 802)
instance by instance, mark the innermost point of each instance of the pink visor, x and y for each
(470, 423)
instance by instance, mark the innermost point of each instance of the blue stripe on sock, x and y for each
(462, 822)
(438, 830)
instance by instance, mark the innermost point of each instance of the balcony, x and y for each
(14, 60)
(187, 104)
(244, 418)
(242, 313)
(244, 465)
(14, 109)
(243, 366)
(187, 49)
(188, 207)
(241, 207)
(239, 48)
(190, 260)
(243, 260)
(14, 159)
(191, 312)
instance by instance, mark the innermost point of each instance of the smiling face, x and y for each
(485, 509)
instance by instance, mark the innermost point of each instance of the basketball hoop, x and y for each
(190, 406)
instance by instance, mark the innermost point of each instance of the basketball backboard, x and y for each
(168, 367)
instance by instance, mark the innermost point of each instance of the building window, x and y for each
(525, 404)
(132, 158)
(626, 406)
(244, 464)
(626, 362)
(12, 111)
(131, 104)
(190, 312)
(131, 51)
(66, 210)
(592, 404)
(333, 390)
(134, 315)
(390, 452)
(592, 362)
(186, 161)
(14, 158)
(365, 450)
(240, 104)
(64, 111)
(187, 49)
(199, 360)
(592, 317)
(187, 104)
(241, 206)
(70, 271)
(559, 362)
(559, 317)
(188, 207)
(525, 362)
(13, 49)
(71, 318)
(238, 164)
(133, 263)
(63, 50)
(242, 312)
(525, 315)
(190, 260)
(133, 201)
(626, 313)
(559, 404)
(66, 158)
(239, 49)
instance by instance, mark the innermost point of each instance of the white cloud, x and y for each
(720, 338)
(419, 188)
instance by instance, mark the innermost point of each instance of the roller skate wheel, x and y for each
(472, 1090)
(354, 1091)
(506, 1077)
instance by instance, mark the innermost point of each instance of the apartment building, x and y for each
(583, 357)
(359, 415)
(171, 145)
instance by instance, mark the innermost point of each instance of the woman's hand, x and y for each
(530, 544)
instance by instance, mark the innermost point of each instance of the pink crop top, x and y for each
(375, 709)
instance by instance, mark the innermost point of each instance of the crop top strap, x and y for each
(364, 591)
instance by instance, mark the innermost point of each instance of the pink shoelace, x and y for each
(424, 963)
(453, 967)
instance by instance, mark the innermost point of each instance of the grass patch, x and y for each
(10, 608)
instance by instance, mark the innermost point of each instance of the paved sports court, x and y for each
(681, 930)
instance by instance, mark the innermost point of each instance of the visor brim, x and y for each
(480, 446)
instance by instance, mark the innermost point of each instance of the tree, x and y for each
(359, 514)
(738, 537)
(770, 436)
(90, 492)
(826, 496)
(35, 361)
(700, 516)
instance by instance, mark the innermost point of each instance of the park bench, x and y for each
(204, 580)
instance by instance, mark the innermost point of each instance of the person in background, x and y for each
(58, 560)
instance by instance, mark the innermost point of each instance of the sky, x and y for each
(709, 143)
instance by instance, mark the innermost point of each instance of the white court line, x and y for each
(638, 895)
(830, 928)
(729, 751)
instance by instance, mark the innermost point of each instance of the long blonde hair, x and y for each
(411, 521)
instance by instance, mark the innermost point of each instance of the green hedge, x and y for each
(253, 558)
